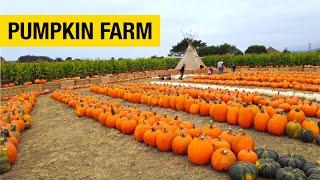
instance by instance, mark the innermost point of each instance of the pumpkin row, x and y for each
(264, 119)
(306, 81)
(268, 76)
(15, 118)
(224, 150)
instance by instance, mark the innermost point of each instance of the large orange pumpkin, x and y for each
(219, 111)
(261, 120)
(200, 151)
(277, 124)
(245, 117)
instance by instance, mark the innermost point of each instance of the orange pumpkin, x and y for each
(200, 151)
(245, 117)
(312, 126)
(219, 111)
(220, 143)
(228, 135)
(180, 143)
(150, 136)
(232, 115)
(261, 120)
(297, 115)
(247, 155)
(222, 159)
(277, 124)
(164, 140)
(194, 108)
(242, 141)
(140, 130)
(128, 126)
(211, 130)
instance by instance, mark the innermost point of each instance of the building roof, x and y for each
(272, 50)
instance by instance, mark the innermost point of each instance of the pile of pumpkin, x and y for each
(286, 103)
(224, 150)
(262, 118)
(15, 118)
(305, 81)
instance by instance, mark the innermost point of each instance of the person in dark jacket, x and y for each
(182, 71)
(233, 67)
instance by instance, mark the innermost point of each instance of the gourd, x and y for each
(267, 153)
(242, 171)
(293, 129)
(292, 160)
(267, 168)
(306, 136)
(290, 173)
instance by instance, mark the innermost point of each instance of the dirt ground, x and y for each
(61, 146)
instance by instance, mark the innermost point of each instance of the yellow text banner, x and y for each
(80, 30)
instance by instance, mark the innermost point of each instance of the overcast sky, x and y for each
(276, 23)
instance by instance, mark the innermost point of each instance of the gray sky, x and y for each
(276, 23)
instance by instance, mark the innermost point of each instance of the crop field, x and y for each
(118, 120)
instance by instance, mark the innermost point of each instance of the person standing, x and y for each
(233, 67)
(182, 71)
(220, 66)
(210, 71)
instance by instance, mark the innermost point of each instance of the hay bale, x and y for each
(51, 86)
(106, 78)
(81, 82)
(95, 80)
(114, 78)
(130, 76)
(66, 83)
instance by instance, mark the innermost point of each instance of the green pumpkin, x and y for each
(4, 163)
(242, 171)
(314, 177)
(267, 168)
(311, 168)
(306, 136)
(293, 129)
(289, 173)
(308, 165)
(267, 153)
(292, 160)
(317, 140)
(315, 170)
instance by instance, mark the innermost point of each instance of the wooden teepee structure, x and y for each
(190, 58)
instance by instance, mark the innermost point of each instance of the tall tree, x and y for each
(256, 49)
(228, 49)
(59, 59)
(2, 59)
(220, 49)
(181, 47)
(68, 58)
(31, 58)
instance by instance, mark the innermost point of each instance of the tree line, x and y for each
(204, 50)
